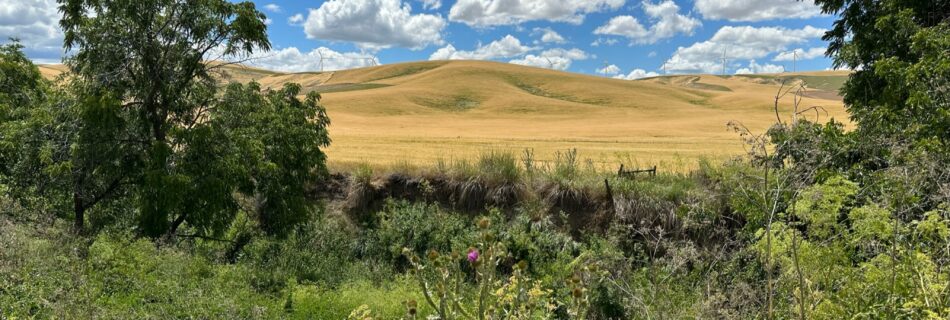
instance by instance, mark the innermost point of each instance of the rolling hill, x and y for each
(421, 112)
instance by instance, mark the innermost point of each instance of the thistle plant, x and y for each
(583, 277)
(363, 312)
(442, 280)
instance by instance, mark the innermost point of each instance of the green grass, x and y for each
(410, 70)
(708, 86)
(344, 87)
(460, 102)
(48, 272)
(826, 83)
(540, 92)
(384, 300)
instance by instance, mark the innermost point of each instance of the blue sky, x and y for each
(631, 38)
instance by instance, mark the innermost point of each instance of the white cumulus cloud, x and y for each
(374, 24)
(800, 54)
(604, 41)
(548, 35)
(756, 10)
(293, 60)
(36, 24)
(296, 20)
(485, 13)
(431, 4)
(667, 23)
(737, 43)
(626, 26)
(609, 70)
(754, 68)
(637, 74)
(506, 47)
(557, 59)
(272, 7)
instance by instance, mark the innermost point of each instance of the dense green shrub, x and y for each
(320, 252)
(50, 273)
(417, 226)
(385, 300)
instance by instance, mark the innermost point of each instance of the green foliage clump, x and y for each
(21, 83)
(499, 168)
(56, 276)
(820, 206)
(856, 266)
(360, 298)
(320, 252)
(871, 224)
(900, 50)
(279, 139)
(442, 280)
(145, 128)
(37, 128)
(416, 226)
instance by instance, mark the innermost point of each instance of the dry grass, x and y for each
(419, 113)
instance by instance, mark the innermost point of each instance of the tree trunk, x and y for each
(80, 211)
(173, 229)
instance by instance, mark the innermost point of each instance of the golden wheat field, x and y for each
(418, 113)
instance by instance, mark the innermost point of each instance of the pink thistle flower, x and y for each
(473, 255)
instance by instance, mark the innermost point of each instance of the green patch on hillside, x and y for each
(240, 72)
(831, 83)
(541, 92)
(343, 87)
(457, 103)
(402, 71)
(708, 86)
(828, 83)
(312, 72)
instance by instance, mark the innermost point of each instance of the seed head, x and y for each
(411, 304)
(484, 223)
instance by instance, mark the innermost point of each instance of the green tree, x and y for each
(901, 52)
(144, 63)
(20, 81)
(144, 123)
(278, 139)
(39, 124)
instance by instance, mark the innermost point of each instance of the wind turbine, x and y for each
(724, 60)
(371, 61)
(794, 60)
(322, 58)
(550, 64)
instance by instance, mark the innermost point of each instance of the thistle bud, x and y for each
(484, 223)
(412, 305)
(433, 255)
(577, 292)
(522, 265)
